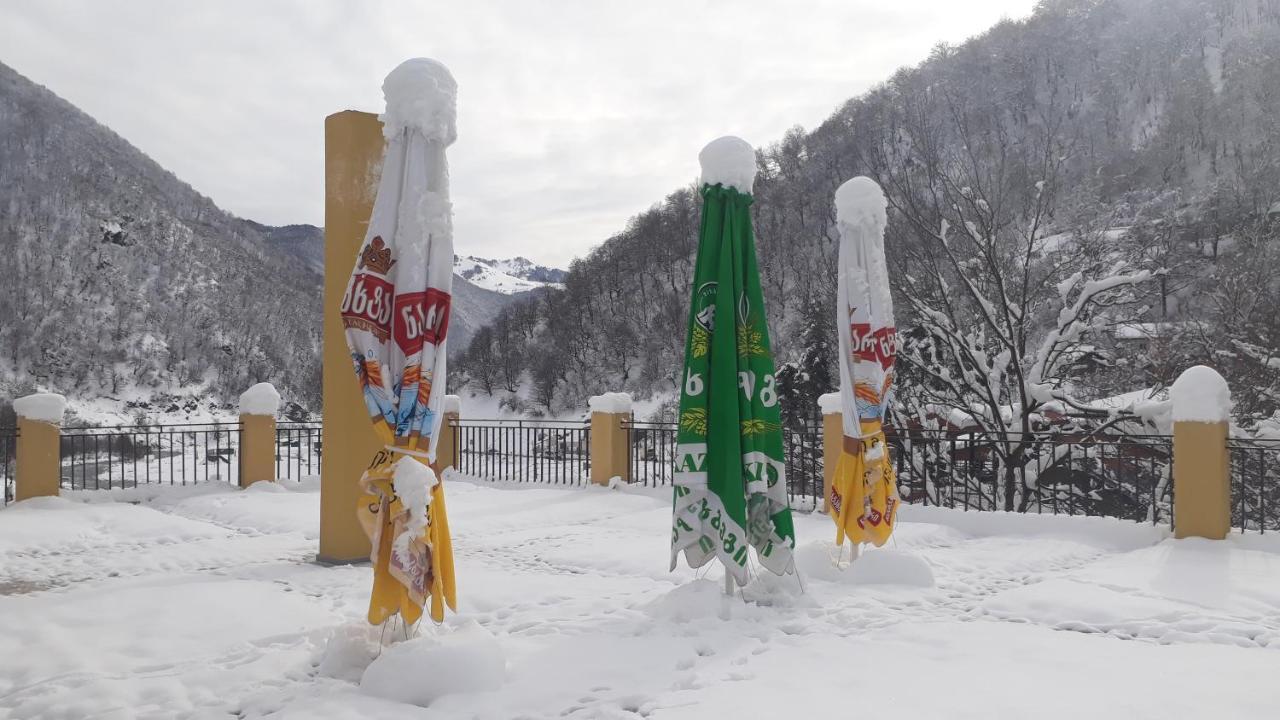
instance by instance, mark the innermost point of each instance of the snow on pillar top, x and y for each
(610, 403)
(1200, 395)
(261, 399)
(421, 94)
(45, 407)
(830, 404)
(860, 201)
(729, 161)
(452, 405)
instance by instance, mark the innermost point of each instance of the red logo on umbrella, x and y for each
(421, 317)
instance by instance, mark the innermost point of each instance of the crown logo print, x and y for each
(376, 256)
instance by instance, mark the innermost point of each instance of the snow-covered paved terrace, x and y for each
(204, 602)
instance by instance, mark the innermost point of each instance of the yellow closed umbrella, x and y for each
(863, 496)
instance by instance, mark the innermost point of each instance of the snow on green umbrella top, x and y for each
(730, 475)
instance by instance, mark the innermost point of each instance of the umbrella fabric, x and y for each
(730, 477)
(863, 497)
(396, 316)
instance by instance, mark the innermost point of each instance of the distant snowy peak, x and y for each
(507, 276)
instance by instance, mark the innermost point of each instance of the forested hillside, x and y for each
(1102, 170)
(123, 286)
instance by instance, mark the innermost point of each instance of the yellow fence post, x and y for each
(447, 445)
(1201, 462)
(38, 471)
(832, 438)
(352, 163)
(609, 414)
(258, 406)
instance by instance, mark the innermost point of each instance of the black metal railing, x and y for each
(652, 455)
(1122, 476)
(803, 447)
(298, 449)
(548, 451)
(8, 459)
(96, 458)
(1255, 484)
(651, 450)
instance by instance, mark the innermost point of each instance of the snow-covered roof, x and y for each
(1149, 330)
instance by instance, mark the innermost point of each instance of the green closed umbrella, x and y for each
(730, 475)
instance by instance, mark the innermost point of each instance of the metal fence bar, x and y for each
(129, 456)
(1255, 484)
(8, 459)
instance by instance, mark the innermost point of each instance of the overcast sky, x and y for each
(572, 116)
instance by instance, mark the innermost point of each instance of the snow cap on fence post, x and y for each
(261, 399)
(258, 406)
(1201, 461)
(610, 413)
(37, 471)
(1200, 394)
(44, 407)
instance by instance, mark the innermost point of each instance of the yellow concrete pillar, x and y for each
(832, 438)
(353, 161)
(609, 452)
(38, 470)
(1201, 461)
(447, 445)
(258, 407)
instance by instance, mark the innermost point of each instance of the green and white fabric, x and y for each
(730, 474)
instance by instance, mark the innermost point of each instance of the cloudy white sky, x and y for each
(572, 115)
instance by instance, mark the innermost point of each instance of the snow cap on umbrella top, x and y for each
(421, 94)
(729, 161)
(860, 201)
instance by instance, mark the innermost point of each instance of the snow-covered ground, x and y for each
(204, 602)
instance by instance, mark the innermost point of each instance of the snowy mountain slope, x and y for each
(506, 276)
(476, 298)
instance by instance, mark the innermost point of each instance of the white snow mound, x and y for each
(695, 600)
(261, 399)
(1200, 394)
(861, 202)
(729, 161)
(466, 659)
(349, 650)
(874, 566)
(610, 403)
(421, 94)
(45, 407)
